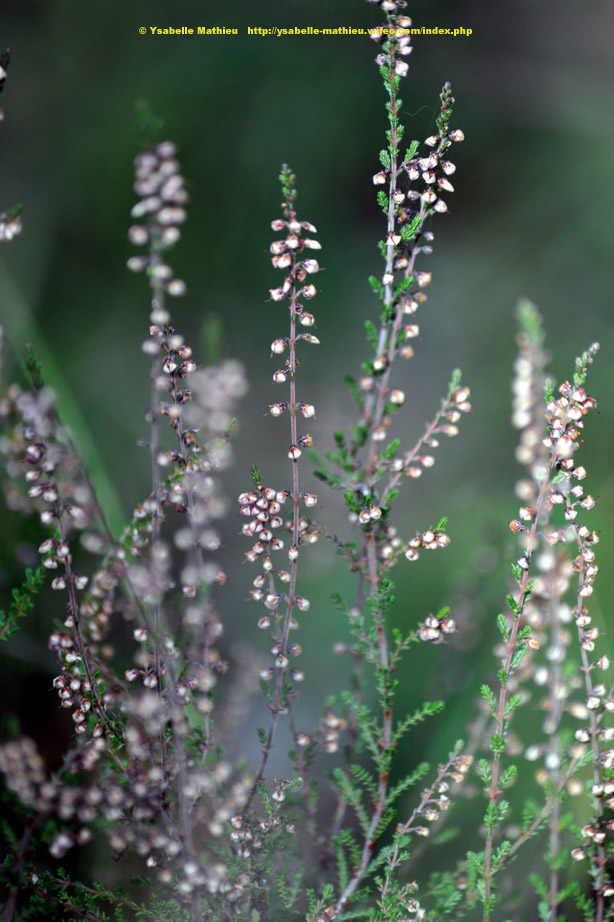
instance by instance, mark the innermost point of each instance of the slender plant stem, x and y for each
(494, 792)
(20, 857)
(293, 407)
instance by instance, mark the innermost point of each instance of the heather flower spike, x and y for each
(264, 506)
(10, 221)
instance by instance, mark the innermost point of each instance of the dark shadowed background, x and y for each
(532, 216)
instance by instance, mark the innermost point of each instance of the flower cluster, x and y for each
(436, 627)
(10, 226)
(161, 212)
(10, 222)
(407, 211)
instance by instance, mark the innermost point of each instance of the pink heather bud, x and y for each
(282, 262)
(440, 206)
(176, 288)
(294, 453)
(448, 167)
(429, 197)
(401, 68)
(58, 583)
(277, 247)
(379, 179)
(311, 266)
(456, 135)
(138, 235)
(445, 184)
(170, 236)
(278, 345)
(311, 244)
(278, 224)
(279, 377)
(309, 291)
(432, 141)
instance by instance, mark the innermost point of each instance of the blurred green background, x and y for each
(532, 216)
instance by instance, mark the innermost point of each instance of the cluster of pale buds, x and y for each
(429, 540)
(263, 506)
(565, 419)
(436, 800)
(329, 731)
(435, 627)
(391, 6)
(287, 254)
(161, 190)
(9, 227)
(433, 170)
(399, 39)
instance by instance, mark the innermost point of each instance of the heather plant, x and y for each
(152, 777)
